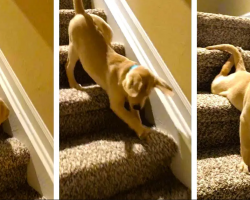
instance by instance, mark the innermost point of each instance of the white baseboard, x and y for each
(171, 114)
(25, 124)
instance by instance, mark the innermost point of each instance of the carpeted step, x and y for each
(66, 15)
(81, 76)
(84, 112)
(167, 187)
(14, 157)
(209, 64)
(218, 121)
(22, 192)
(217, 176)
(103, 164)
(68, 4)
(222, 29)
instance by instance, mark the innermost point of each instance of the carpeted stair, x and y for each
(218, 120)
(14, 158)
(100, 157)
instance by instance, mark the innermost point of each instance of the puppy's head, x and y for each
(138, 85)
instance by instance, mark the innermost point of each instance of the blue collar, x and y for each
(133, 67)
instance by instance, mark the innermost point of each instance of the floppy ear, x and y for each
(4, 111)
(163, 86)
(132, 86)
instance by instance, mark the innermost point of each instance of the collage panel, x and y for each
(223, 99)
(124, 99)
(26, 99)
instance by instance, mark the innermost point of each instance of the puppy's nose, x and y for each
(137, 107)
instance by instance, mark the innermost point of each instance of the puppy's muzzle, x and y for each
(137, 107)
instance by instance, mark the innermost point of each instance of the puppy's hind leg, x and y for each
(217, 86)
(70, 66)
(245, 141)
(226, 68)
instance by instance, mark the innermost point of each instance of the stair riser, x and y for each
(66, 16)
(215, 29)
(209, 64)
(12, 178)
(226, 194)
(86, 123)
(106, 186)
(212, 35)
(68, 4)
(81, 76)
(217, 134)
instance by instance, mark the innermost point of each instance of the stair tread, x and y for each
(223, 20)
(222, 29)
(217, 176)
(68, 4)
(14, 157)
(214, 108)
(12, 152)
(74, 101)
(22, 192)
(118, 154)
(210, 63)
(167, 187)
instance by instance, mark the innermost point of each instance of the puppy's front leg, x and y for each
(245, 142)
(136, 113)
(70, 66)
(129, 118)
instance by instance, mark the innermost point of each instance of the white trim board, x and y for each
(171, 114)
(246, 15)
(25, 124)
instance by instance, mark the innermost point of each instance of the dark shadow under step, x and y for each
(80, 75)
(22, 192)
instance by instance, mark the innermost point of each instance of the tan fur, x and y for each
(236, 87)
(4, 111)
(90, 41)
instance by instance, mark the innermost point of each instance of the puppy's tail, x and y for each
(79, 8)
(238, 60)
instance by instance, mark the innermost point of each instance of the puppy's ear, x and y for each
(163, 86)
(132, 85)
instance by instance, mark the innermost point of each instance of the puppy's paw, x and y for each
(144, 133)
(242, 167)
(77, 86)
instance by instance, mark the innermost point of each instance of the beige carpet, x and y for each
(100, 157)
(220, 29)
(218, 120)
(14, 158)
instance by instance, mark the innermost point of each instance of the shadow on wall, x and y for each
(33, 10)
(188, 2)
